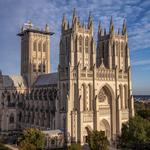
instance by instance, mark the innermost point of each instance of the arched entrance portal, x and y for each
(105, 108)
(104, 126)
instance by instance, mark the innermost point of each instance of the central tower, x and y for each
(35, 52)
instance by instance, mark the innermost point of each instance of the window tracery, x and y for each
(80, 43)
(86, 44)
(40, 46)
(35, 46)
(102, 96)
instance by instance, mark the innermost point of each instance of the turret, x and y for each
(118, 31)
(64, 23)
(99, 28)
(74, 14)
(124, 28)
(90, 21)
(74, 19)
(111, 27)
(99, 31)
(46, 28)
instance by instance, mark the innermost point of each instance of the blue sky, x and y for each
(13, 13)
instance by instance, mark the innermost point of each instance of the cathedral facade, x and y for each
(95, 80)
(91, 90)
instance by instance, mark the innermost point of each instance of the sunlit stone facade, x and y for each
(92, 88)
(94, 80)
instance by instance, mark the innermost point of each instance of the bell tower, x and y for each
(35, 52)
(112, 47)
(77, 53)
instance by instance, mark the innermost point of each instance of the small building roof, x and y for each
(53, 132)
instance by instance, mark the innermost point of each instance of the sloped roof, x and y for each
(47, 79)
(53, 132)
(14, 81)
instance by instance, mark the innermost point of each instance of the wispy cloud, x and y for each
(14, 13)
(141, 62)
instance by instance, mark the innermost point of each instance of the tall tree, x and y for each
(135, 134)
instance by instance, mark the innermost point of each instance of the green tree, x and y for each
(135, 134)
(97, 140)
(31, 139)
(144, 114)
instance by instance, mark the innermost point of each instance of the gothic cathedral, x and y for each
(94, 81)
(91, 90)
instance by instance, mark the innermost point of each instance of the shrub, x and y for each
(31, 139)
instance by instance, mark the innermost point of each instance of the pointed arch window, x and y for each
(35, 46)
(122, 49)
(44, 68)
(44, 47)
(90, 97)
(86, 44)
(34, 67)
(113, 49)
(102, 51)
(126, 96)
(121, 96)
(84, 98)
(39, 68)
(64, 96)
(40, 46)
(80, 43)
(117, 49)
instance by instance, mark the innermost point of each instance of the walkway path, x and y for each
(12, 147)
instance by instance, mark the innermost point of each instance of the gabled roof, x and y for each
(47, 79)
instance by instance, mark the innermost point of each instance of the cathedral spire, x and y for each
(99, 30)
(46, 28)
(124, 28)
(111, 27)
(64, 19)
(118, 31)
(74, 19)
(64, 23)
(99, 27)
(90, 20)
(74, 13)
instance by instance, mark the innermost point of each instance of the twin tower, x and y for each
(77, 45)
(95, 89)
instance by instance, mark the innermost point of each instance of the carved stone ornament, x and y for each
(101, 96)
